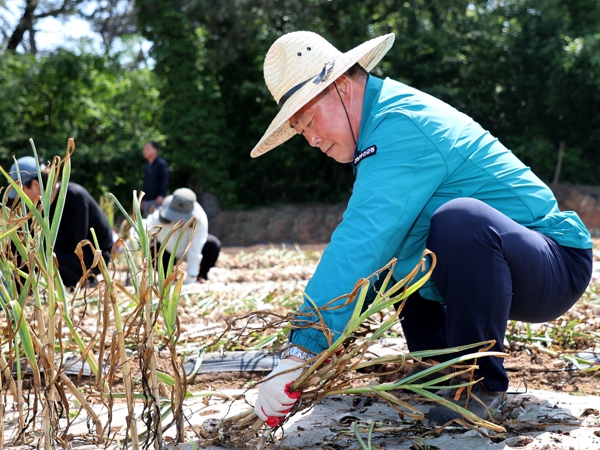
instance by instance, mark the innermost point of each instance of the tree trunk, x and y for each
(32, 44)
(561, 152)
(26, 23)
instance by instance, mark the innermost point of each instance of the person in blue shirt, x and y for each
(427, 176)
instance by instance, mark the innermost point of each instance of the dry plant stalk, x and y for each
(157, 292)
(30, 247)
(37, 307)
(339, 369)
(2, 411)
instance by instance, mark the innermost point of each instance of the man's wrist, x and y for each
(295, 351)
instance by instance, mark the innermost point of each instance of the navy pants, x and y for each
(491, 269)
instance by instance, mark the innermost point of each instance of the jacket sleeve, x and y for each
(74, 227)
(164, 178)
(194, 254)
(391, 189)
(146, 177)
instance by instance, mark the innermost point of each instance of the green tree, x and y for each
(546, 86)
(197, 145)
(109, 111)
(527, 70)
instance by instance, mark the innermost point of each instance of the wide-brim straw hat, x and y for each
(299, 66)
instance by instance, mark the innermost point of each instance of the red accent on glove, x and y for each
(338, 353)
(291, 394)
(274, 421)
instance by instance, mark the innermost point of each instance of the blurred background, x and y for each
(114, 74)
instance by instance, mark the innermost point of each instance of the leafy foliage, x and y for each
(109, 111)
(527, 70)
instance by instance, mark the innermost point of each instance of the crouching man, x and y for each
(204, 249)
(80, 214)
(427, 176)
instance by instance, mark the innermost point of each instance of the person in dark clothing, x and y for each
(156, 178)
(80, 213)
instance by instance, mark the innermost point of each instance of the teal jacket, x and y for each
(414, 154)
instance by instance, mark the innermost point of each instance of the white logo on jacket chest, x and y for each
(369, 151)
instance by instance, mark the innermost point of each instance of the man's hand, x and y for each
(159, 200)
(275, 396)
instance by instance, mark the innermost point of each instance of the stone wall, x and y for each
(584, 200)
(314, 224)
(294, 224)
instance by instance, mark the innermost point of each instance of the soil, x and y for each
(526, 371)
(537, 371)
(240, 266)
(541, 371)
(225, 380)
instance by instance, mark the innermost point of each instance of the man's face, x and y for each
(34, 191)
(324, 124)
(149, 152)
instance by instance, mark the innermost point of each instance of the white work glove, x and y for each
(275, 398)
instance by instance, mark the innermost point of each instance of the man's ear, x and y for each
(35, 187)
(344, 84)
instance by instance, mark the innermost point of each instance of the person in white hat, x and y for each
(203, 249)
(426, 176)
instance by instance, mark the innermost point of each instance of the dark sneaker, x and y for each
(472, 401)
(424, 365)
